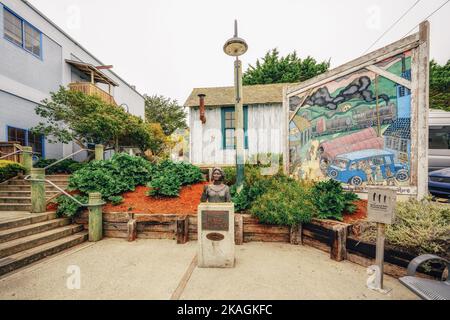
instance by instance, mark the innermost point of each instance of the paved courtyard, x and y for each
(161, 269)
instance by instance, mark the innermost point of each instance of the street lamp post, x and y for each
(236, 47)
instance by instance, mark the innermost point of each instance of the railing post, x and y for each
(27, 160)
(95, 217)
(38, 201)
(99, 149)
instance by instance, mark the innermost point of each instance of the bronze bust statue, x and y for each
(217, 191)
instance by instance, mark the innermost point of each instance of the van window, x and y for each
(439, 137)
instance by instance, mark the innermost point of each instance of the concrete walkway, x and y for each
(155, 269)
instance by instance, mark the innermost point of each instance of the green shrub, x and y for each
(185, 172)
(112, 177)
(67, 166)
(287, 202)
(68, 207)
(115, 200)
(331, 201)
(419, 227)
(230, 175)
(254, 186)
(169, 176)
(165, 186)
(9, 169)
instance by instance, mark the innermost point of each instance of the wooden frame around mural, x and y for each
(416, 48)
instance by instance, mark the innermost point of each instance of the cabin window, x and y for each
(27, 138)
(21, 33)
(229, 126)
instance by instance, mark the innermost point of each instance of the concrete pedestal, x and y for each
(216, 235)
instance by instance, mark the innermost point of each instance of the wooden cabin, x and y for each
(212, 139)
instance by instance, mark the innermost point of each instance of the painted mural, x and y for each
(355, 129)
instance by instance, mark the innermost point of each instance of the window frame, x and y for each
(23, 24)
(225, 110)
(27, 140)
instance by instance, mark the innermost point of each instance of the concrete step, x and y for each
(27, 187)
(15, 207)
(18, 182)
(22, 193)
(15, 200)
(30, 229)
(33, 218)
(21, 259)
(32, 241)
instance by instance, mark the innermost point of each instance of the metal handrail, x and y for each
(28, 178)
(69, 156)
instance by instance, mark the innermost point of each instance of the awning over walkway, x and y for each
(92, 71)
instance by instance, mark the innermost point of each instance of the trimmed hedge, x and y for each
(9, 169)
(67, 166)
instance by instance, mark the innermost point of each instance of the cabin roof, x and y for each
(225, 96)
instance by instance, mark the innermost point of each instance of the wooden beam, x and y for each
(423, 109)
(389, 75)
(239, 230)
(295, 235)
(182, 229)
(132, 230)
(391, 50)
(300, 104)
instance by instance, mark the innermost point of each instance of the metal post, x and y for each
(239, 124)
(38, 201)
(379, 260)
(95, 217)
(99, 150)
(27, 160)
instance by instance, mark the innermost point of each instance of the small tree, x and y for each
(165, 111)
(440, 85)
(75, 116)
(275, 69)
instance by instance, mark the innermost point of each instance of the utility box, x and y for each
(216, 235)
(381, 205)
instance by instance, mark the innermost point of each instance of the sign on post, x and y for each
(380, 209)
(216, 235)
(381, 205)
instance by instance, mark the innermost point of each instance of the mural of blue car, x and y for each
(370, 165)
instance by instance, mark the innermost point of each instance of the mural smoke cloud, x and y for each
(357, 89)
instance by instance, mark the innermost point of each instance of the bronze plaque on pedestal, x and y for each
(215, 220)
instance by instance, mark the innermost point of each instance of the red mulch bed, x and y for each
(359, 214)
(138, 202)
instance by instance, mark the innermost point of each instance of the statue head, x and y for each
(217, 174)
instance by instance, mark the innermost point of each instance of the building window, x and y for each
(229, 126)
(439, 137)
(21, 33)
(388, 142)
(395, 143)
(32, 40)
(404, 145)
(27, 138)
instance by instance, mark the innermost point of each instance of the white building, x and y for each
(212, 141)
(36, 58)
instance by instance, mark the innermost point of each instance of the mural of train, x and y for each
(357, 120)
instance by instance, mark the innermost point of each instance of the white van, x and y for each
(439, 140)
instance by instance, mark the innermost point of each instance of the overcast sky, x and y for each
(169, 47)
